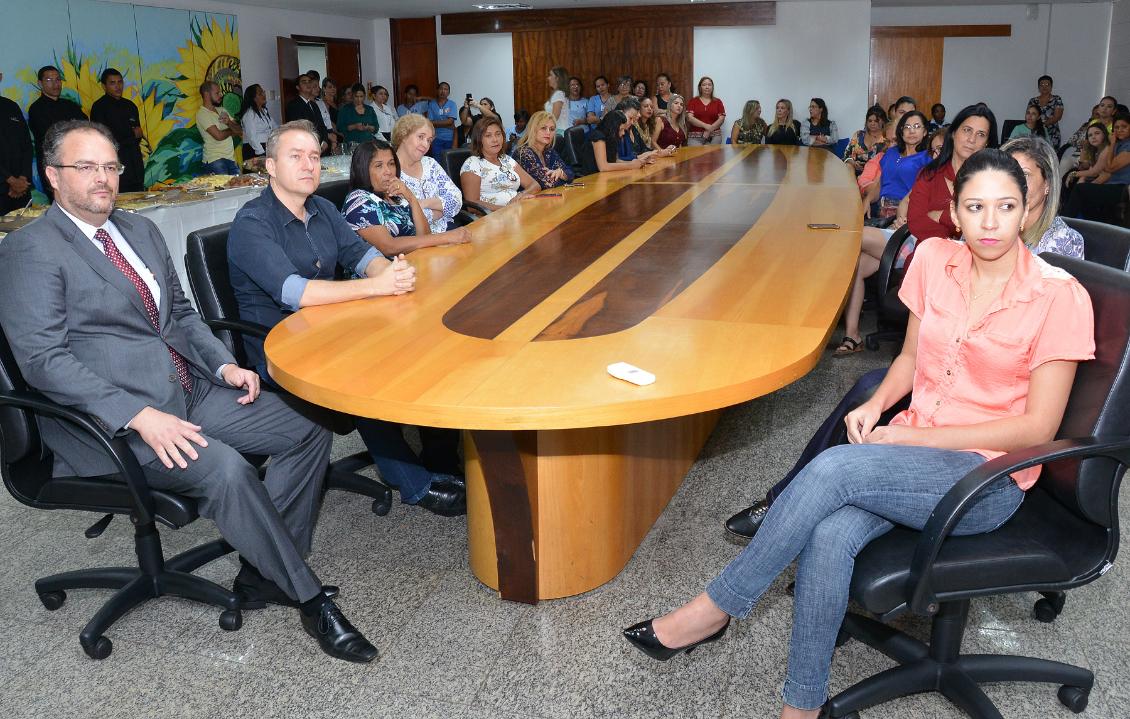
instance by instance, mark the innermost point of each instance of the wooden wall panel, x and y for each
(641, 52)
(724, 14)
(414, 57)
(907, 66)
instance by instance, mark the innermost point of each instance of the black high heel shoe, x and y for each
(642, 637)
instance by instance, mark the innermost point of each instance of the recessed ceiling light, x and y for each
(506, 6)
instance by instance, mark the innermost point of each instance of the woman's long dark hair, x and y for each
(610, 125)
(946, 155)
(990, 159)
(249, 103)
(901, 143)
(819, 102)
(359, 178)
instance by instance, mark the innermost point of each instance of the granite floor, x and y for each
(450, 648)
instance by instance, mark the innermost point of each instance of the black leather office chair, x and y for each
(559, 144)
(207, 265)
(1106, 244)
(1064, 535)
(453, 160)
(26, 466)
(575, 140)
(892, 312)
(1007, 127)
(335, 192)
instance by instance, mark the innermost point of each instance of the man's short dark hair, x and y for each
(413, 88)
(53, 142)
(107, 74)
(46, 69)
(521, 116)
(314, 75)
(206, 86)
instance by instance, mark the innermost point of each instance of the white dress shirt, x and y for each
(123, 246)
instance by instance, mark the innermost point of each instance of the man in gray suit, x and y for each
(96, 318)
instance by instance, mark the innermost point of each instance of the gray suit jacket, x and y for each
(79, 332)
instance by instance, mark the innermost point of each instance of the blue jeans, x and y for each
(398, 464)
(223, 166)
(843, 499)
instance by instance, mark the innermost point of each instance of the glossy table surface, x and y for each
(700, 269)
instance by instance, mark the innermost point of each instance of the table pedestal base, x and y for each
(553, 513)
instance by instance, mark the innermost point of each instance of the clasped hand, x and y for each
(861, 427)
(397, 278)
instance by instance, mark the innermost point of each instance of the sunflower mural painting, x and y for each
(163, 54)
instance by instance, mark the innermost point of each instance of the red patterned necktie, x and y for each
(118, 260)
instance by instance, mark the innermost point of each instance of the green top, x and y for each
(347, 115)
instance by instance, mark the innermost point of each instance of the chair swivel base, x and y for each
(136, 586)
(939, 667)
(342, 475)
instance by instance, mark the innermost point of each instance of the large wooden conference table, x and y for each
(699, 269)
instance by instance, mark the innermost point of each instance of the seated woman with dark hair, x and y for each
(1098, 199)
(969, 403)
(609, 148)
(671, 130)
(645, 129)
(1033, 126)
(535, 154)
(383, 210)
(489, 176)
(357, 122)
(898, 167)
(471, 113)
(972, 130)
(1092, 157)
(818, 130)
(868, 142)
(577, 102)
(784, 130)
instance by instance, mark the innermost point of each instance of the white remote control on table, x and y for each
(630, 373)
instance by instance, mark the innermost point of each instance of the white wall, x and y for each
(818, 48)
(1066, 41)
(482, 65)
(259, 26)
(1118, 61)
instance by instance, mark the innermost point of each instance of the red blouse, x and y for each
(705, 112)
(931, 193)
(671, 135)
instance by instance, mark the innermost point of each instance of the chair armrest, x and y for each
(960, 497)
(250, 328)
(115, 446)
(475, 208)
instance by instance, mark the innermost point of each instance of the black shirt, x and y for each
(15, 142)
(45, 112)
(787, 135)
(120, 116)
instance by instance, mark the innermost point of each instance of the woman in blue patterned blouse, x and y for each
(1045, 231)
(383, 211)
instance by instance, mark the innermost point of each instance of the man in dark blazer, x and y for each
(303, 108)
(96, 318)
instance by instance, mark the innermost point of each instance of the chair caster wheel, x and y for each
(101, 647)
(1074, 698)
(1049, 607)
(53, 600)
(231, 620)
(842, 638)
(382, 506)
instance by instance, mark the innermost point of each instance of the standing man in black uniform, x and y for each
(121, 116)
(46, 111)
(15, 157)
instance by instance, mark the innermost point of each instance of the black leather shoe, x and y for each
(444, 500)
(256, 591)
(642, 637)
(745, 523)
(336, 636)
(457, 481)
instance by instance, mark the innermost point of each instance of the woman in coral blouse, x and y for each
(991, 348)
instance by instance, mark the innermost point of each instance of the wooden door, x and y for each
(906, 66)
(414, 57)
(288, 72)
(343, 62)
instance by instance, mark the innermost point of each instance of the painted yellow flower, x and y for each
(212, 54)
(82, 79)
(154, 124)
